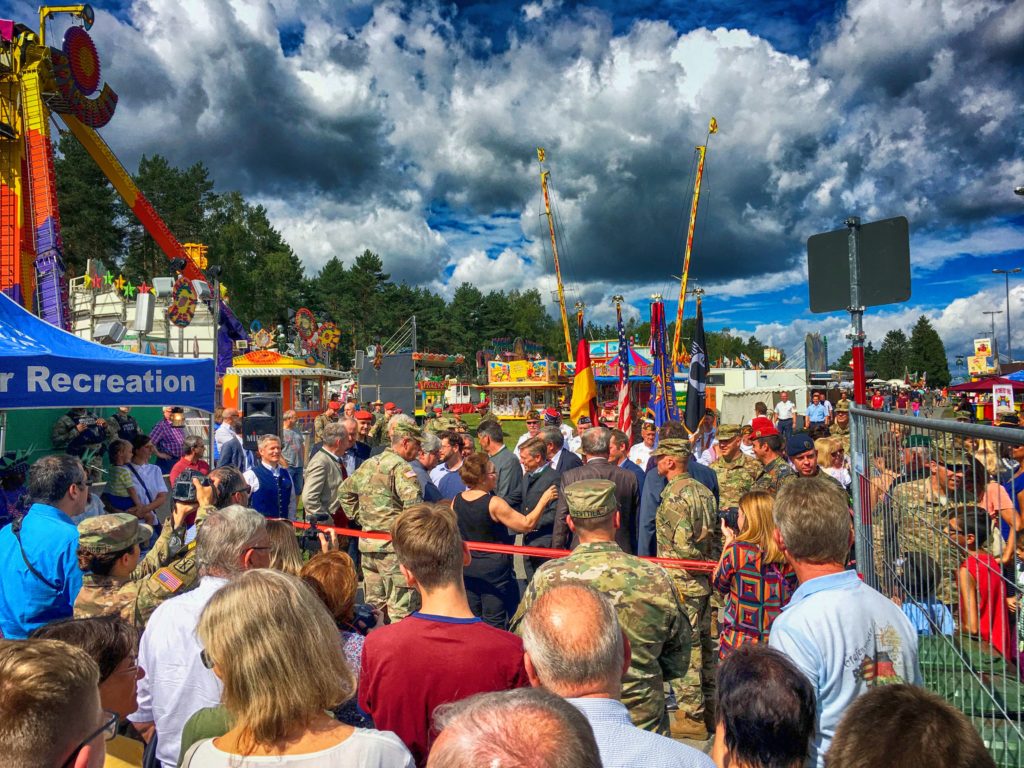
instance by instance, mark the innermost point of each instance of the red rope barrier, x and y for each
(705, 566)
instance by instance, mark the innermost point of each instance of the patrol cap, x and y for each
(843, 406)
(798, 444)
(949, 454)
(104, 534)
(403, 429)
(728, 432)
(532, 415)
(590, 498)
(673, 446)
(762, 427)
(362, 416)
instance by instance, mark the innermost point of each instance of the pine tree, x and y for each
(928, 353)
(894, 357)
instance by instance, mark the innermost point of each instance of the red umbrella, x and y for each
(985, 385)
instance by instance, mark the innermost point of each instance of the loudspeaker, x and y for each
(203, 290)
(162, 286)
(144, 306)
(261, 415)
(109, 332)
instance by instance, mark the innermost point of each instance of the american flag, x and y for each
(625, 406)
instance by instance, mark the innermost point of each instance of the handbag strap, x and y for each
(145, 490)
(16, 530)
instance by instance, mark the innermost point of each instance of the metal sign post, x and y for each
(856, 312)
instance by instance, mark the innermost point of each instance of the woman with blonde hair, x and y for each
(832, 461)
(751, 557)
(275, 648)
(285, 555)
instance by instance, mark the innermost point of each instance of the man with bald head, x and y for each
(575, 647)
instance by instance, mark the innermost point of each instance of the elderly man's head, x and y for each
(812, 519)
(232, 540)
(269, 449)
(521, 727)
(336, 438)
(574, 645)
(595, 441)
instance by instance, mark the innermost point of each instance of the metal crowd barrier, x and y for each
(919, 485)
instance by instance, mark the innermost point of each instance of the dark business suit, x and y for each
(510, 477)
(633, 467)
(627, 497)
(534, 486)
(567, 460)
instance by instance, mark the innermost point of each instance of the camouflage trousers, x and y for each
(695, 691)
(385, 587)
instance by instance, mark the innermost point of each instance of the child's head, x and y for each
(968, 527)
(119, 452)
(921, 574)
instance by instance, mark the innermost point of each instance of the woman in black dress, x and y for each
(490, 584)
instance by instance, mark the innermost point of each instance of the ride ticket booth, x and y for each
(508, 385)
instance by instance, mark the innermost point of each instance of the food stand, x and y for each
(518, 378)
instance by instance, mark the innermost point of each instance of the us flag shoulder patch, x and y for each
(168, 579)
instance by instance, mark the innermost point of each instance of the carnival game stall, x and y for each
(509, 385)
(431, 374)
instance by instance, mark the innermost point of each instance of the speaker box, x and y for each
(261, 415)
(202, 288)
(144, 306)
(162, 286)
(108, 332)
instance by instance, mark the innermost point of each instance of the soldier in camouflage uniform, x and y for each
(180, 571)
(645, 600)
(736, 471)
(74, 434)
(325, 418)
(108, 553)
(373, 496)
(768, 448)
(840, 429)
(922, 508)
(685, 525)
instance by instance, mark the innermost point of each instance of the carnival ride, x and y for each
(40, 85)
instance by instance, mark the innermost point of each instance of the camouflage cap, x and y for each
(104, 534)
(532, 415)
(728, 432)
(949, 454)
(673, 446)
(843, 406)
(404, 429)
(590, 498)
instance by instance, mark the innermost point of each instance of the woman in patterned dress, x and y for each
(753, 575)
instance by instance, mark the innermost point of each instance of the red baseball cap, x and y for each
(762, 427)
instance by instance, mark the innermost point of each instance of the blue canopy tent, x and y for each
(42, 366)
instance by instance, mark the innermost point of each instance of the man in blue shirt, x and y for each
(843, 635)
(654, 484)
(817, 413)
(574, 647)
(39, 573)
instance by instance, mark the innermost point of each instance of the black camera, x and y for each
(87, 421)
(309, 539)
(731, 517)
(184, 491)
(364, 619)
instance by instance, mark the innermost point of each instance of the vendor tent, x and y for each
(985, 385)
(42, 366)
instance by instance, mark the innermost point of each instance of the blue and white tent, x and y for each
(42, 366)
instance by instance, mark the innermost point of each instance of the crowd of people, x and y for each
(224, 635)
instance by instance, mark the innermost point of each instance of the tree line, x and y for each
(921, 355)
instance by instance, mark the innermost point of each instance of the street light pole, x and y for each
(995, 342)
(1009, 342)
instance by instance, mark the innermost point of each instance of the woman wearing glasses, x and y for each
(113, 645)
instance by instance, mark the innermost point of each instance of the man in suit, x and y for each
(618, 449)
(538, 478)
(557, 455)
(594, 444)
(510, 473)
(325, 473)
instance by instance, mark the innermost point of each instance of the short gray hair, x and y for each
(492, 429)
(334, 432)
(594, 441)
(588, 650)
(552, 435)
(224, 537)
(521, 727)
(813, 519)
(430, 443)
(264, 439)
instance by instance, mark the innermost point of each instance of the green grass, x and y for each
(513, 429)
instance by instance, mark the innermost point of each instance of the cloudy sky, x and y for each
(411, 128)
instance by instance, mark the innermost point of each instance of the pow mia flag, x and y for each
(698, 374)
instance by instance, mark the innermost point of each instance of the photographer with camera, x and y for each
(223, 487)
(192, 450)
(750, 557)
